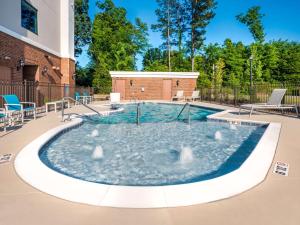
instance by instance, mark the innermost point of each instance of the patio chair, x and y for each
(3, 118)
(274, 102)
(178, 96)
(195, 95)
(77, 95)
(14, 105)
(87, 98)
(115, 99)
(9, 118)
(78, 98)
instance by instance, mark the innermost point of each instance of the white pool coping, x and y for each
(252, 172)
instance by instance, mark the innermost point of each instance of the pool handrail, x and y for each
(77, 103)
(138, 113)
(189, 116)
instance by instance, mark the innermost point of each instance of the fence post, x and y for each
(250, 93)
(235, 95)
(25, 92)
(201, 94)
(49, 94)
(64, 91)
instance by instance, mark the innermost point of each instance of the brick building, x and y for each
(37, 41)
(152, 85)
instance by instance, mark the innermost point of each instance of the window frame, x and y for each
(36, 12)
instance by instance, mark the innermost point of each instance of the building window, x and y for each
(29, 17)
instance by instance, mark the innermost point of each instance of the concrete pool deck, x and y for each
(275, 201)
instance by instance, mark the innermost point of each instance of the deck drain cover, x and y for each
(281, 168)
(5, 158)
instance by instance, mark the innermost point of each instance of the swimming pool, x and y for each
(163, 162)
(162, 150)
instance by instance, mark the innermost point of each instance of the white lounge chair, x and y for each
(9, 118)
(115, 99)
(179, 96)
(195, 95)
(274, 102)
(3, 118)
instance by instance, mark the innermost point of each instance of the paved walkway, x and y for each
(275, 201)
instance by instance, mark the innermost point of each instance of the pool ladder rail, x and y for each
(189, 112)
(77, 102)
(138, 113)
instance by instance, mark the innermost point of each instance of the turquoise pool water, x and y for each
(161, 151)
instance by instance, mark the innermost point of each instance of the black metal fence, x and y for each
(40, 93)
(258, 93)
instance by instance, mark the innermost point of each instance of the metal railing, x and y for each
(243, 94)
(236, 95)
(70, 114)
(189, 112)
(40, 92)
(138, 113)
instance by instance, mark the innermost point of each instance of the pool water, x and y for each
(160, 151)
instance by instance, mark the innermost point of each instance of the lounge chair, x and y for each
(274, 102)
(195, 95)
(115, 99)
(178, 96)
(14, 105)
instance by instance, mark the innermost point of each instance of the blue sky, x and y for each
(281, 20)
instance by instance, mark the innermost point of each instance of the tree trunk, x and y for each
(192, 50)
(169, 44)
(192, 37)
(193, 64)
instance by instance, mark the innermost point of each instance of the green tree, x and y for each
(257, 66)
(179, 62)
(270, 61)
(178, 23)
(163, 13)
(218, 73)
(212, 53)
(288, 65)
(152, 55)
(204, 79)
(234, 55)
(157, 66)
(84, 75)
(253, 20)
(82, 36)
(115, 43)
(199, 14)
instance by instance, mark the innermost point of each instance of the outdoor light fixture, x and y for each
(74, 76)
(55, 68)
(131, 83)
(177, 83)
(7, 57)
(47, 56)
(21, 64)
(45, 70)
